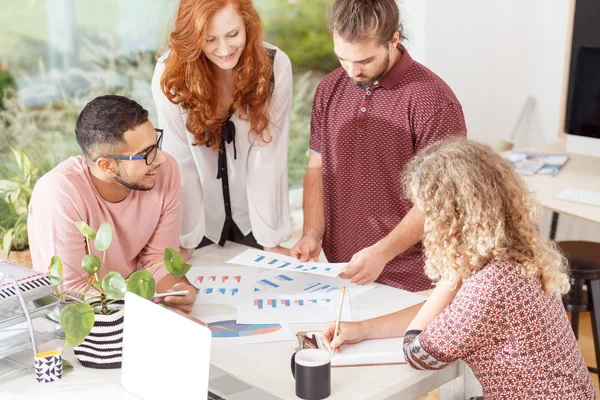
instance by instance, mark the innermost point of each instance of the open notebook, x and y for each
(368, 352)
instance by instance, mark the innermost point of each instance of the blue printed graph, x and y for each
(288, 265)
(320, 287)
(274, 282)
(223, 291)
(230, 329)
(274, 303)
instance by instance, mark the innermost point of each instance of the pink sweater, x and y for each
(143, 224)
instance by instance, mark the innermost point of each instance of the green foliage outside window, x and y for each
(300, 29)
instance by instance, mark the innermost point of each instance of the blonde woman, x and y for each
(497, 304)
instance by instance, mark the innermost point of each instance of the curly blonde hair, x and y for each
(190, 80)
(477, 209)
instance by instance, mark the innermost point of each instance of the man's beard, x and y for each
(369, 82)
(131, 185)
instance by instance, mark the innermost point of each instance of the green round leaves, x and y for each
(114, 285)
(174, 263)
(85, 230)
(142, 283)
(103, 237)
(77, 320)
(56, 270)
(90, 263)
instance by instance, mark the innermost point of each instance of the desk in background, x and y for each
(580, 172)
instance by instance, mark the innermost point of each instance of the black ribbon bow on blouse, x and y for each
(227, 136)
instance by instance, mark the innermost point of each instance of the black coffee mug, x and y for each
(312, 370)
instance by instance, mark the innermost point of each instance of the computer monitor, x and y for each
(582, 106)
(583, 121)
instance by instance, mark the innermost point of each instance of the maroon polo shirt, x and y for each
(365, 138)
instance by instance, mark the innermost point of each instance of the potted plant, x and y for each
(93, 321)
(15, 193)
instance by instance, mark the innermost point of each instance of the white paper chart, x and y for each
(265, 259)
(285, 308)
(226, 331)
(297, 283)
(221, 285)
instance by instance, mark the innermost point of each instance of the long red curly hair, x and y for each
(190, 80)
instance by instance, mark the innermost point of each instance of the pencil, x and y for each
(337, 322)
(177, 293)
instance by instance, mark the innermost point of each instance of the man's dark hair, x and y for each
(359, 20)
(104, 120)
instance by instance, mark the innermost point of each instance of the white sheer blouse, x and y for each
(258, 178)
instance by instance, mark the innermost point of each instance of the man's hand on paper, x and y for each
(183, 303)
(349, 333)
(308, 248)
(366, 265)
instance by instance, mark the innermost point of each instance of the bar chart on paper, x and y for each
(293, 283)
(264, 259)
(221, 285)
(290, 303)
(300, 308)
(273, 282)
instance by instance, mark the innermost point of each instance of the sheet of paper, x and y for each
(289, 308)
(367, 352)
(299, 283)
(226, 331)
(265, 259)
(221, 285)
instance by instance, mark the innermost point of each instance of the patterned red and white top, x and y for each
(365, 138)
(515, 337)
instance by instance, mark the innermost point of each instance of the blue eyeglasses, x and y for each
(148, 156)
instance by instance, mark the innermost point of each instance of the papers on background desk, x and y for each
(226, 331)
(265, 259)
(221, 285)
(530, 163)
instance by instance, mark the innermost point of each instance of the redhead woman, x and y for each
(223, 98)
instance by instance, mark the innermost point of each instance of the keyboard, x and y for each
(212, 396)
(580, 196)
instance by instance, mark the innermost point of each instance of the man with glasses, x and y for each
(124, 179)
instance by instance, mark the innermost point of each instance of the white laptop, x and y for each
(167, 356)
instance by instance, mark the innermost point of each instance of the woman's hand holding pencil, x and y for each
(341, 332)
(349, 333)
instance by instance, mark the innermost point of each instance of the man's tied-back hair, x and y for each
(104, 120)
(359, 20)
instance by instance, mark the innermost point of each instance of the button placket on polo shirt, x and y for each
(364, 107)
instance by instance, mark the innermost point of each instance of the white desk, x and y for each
(580, 172)
(263, 365)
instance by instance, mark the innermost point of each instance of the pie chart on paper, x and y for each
(228, 329)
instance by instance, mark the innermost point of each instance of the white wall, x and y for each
(494, 54)
(413, 13)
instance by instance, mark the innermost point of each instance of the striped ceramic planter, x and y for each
(103, 347)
